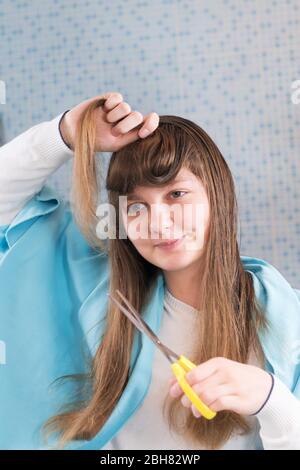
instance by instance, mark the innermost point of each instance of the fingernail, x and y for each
(195, 412)
(144, 132)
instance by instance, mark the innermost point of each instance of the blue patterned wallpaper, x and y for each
(229, 65)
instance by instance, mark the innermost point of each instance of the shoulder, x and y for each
(281, 305)
(268, 281)
(46, 223)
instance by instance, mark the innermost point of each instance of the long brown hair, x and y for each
(230, 317)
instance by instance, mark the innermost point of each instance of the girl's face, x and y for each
(153, 216)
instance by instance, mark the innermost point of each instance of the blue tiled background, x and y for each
(226, 64)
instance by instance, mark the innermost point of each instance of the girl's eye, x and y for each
(133, 208)
(174, 192)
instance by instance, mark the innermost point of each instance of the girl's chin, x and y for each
(174, 265)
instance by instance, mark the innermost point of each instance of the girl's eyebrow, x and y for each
(133, 196)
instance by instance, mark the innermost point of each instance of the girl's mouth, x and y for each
(170, 244)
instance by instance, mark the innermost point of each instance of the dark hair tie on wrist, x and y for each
(60, 130)
(269, 394)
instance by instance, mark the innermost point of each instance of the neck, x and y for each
(185, 285)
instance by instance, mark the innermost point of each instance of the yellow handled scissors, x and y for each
(181, 364)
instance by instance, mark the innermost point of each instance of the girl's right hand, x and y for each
(116, 124)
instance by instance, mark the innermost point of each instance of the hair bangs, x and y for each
(154, 161)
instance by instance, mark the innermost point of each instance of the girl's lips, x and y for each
(170, 244)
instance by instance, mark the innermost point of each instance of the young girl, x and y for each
(236, 317)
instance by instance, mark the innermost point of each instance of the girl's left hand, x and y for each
(223, 384)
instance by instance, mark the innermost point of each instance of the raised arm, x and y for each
(29, 159)
(26, 162)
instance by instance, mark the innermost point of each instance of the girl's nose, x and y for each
(161, 221)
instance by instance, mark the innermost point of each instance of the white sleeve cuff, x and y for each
(49, 144)
(279, 419)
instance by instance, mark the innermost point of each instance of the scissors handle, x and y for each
(179, 369)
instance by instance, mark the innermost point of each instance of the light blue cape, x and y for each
(53, 304)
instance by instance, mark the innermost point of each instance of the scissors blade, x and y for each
(126, 313)
(142, 326)
(140, 319)
(137, 316)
